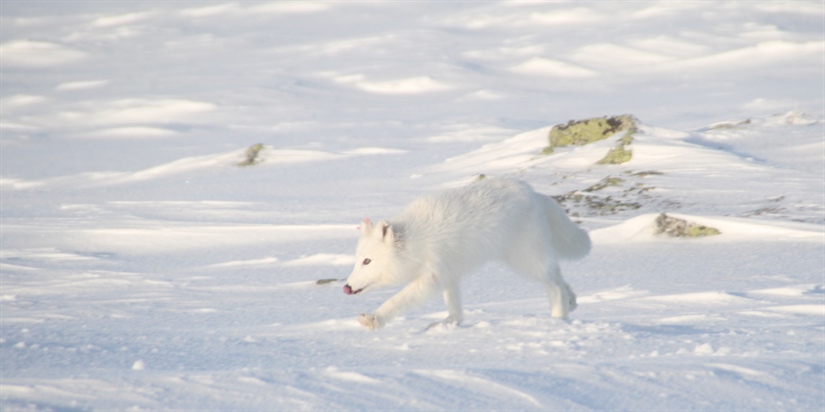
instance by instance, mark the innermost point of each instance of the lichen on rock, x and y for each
(604, 183)
(676, 227)
(622, 152)
(582, 132)
(252, 155)
(613, 195)
(594, 205)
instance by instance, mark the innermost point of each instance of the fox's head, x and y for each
(375, 258)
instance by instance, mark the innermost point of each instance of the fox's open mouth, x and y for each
(348, 290)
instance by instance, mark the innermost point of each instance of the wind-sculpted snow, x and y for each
(28, 53)
(188, 165)
(142, 269)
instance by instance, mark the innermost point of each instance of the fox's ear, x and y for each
(366, 226)
(386, 231)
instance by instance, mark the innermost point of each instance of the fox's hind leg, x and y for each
(534, 262)
(559, 302)
(571, 297)
(562, 299)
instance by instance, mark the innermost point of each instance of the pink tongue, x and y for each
(347, 290)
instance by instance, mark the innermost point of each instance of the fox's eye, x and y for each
(367, 261)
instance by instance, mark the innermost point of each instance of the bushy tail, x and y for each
(568, 239)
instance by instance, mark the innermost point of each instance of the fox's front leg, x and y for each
(411, 295)
(452, 296)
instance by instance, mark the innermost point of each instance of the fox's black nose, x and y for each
(347, 289)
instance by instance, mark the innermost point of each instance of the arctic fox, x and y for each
(439, 238)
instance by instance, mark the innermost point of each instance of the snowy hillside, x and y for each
(143, 266)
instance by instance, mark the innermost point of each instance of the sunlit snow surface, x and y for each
(143, 269)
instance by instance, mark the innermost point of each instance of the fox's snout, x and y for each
(348, 290)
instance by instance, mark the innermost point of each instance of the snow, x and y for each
(142, 269)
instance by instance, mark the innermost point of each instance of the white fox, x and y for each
(439, 238)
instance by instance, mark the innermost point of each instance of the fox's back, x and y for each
(471, 220)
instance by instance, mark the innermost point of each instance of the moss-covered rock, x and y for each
(617, 155)
(676, 227)
(582, 132)
(252, 155)
(594, 205)
(729, 125)
(622, 152)
(604, 183)
(700, 231)
(644, 173)
(613, 195)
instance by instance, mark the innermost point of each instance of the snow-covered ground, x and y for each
(143, 269)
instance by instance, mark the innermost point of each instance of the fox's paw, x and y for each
(370, 321)
(447, 324)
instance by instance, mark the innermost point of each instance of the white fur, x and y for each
(439, 238)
